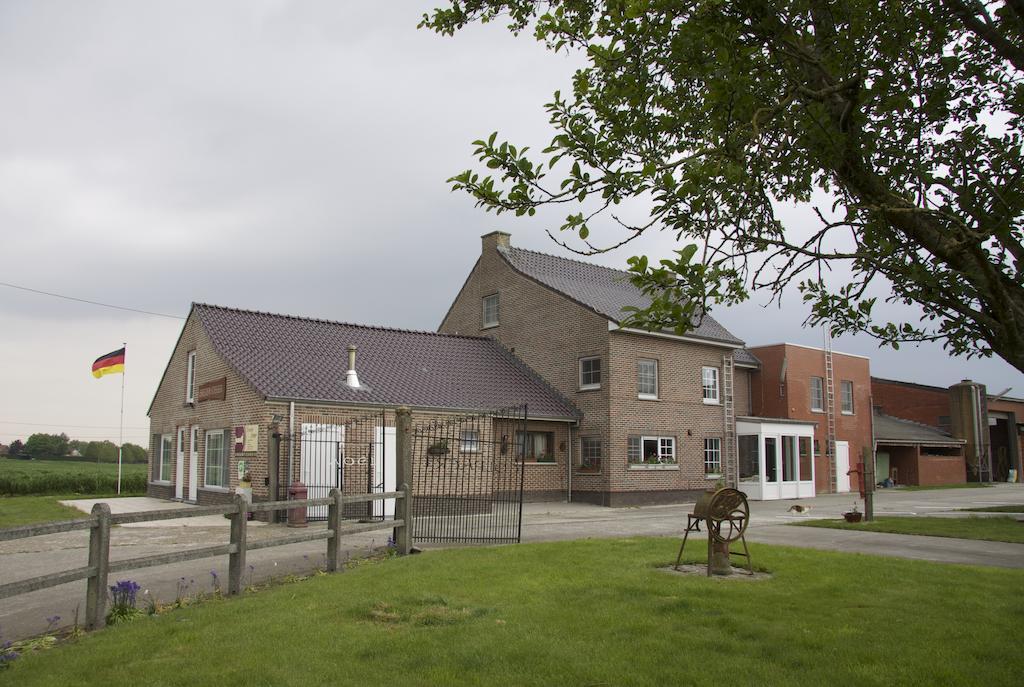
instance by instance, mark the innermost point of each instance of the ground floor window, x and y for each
(590, 454)
(641, 450)
(536, 446)
(166, 447)
(216, 459)
(712, 456)
(750, 458)
(469, 441)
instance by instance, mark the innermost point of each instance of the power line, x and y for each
(83, 300)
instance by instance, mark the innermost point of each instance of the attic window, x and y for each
(490, 310)
(190, 379)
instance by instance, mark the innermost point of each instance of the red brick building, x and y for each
(992, 426)
(793, 383)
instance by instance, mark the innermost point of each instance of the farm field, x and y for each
(37, 477)
(591, 612)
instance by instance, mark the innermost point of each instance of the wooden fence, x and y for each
(99, 522)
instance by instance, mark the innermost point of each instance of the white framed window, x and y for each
(490, 310)
(590, 454)
(647, 378)
(590, 373)
(216, 459)
(469, 441)
(818, 394)
(190, 378)
(709, 380)
(846, 396)
(166, 447)
(641, 450)
(712, 456)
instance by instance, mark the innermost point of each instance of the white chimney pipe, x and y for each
(351, 378)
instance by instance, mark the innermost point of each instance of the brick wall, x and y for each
(936, 470)
(169, 412)
(915, 402)
(547, 331)
(791, 397)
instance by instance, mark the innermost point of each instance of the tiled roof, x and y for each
(898, 430)
(298, 358)
(602, 289)
(744, 357)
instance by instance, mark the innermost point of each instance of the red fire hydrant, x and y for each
(297, 516)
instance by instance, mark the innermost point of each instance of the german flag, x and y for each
(109, 364)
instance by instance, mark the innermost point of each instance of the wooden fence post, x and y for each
(334, 523)
(404, 478)
(99, 558)
(236, 559)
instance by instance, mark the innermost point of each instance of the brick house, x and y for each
(793, 383)
(658, 410)
(908, 452)
(238, 380)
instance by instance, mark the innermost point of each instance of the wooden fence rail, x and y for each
(99, 522)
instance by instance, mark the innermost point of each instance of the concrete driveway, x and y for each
(26, 615)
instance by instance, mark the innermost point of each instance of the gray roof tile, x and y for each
(894, 429)
(604, 290)
(288, 357)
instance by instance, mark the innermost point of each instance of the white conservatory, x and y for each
(776, 458)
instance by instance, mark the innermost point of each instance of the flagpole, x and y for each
(120, 443)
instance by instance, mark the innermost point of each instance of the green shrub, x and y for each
(70, 483)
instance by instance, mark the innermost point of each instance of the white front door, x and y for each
(842, 467)
(179, 471)
(384, 461)
(193, 465)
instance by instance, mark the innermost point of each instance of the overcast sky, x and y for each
(281, 156)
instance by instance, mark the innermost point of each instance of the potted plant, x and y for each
(853, 515)
(546, 458)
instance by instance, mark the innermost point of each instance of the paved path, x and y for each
(26, 615)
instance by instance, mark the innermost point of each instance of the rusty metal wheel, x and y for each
(730, 513)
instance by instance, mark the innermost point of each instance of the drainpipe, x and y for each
(568, 467)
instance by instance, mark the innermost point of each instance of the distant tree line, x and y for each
(59, 447)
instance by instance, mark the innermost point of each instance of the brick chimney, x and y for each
(495, 240)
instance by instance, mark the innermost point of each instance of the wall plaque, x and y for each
(217, 390)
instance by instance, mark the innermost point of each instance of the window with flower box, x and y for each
(642, 450)
(590, 454)
(536, 447)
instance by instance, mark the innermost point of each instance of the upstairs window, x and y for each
(846, 396)
(709, 378)
(818, 394)
(490, 310)
(590, 373)
(190, 378)
(647, 378)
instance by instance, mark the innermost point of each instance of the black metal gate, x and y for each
(354, 454)
(468, 478)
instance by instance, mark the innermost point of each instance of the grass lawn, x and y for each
(988, 529)
(962, 485)
(65, 477)
(1019, 508)
(26, 510)
(593, 612)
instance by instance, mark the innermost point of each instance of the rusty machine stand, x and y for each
(727, 514)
